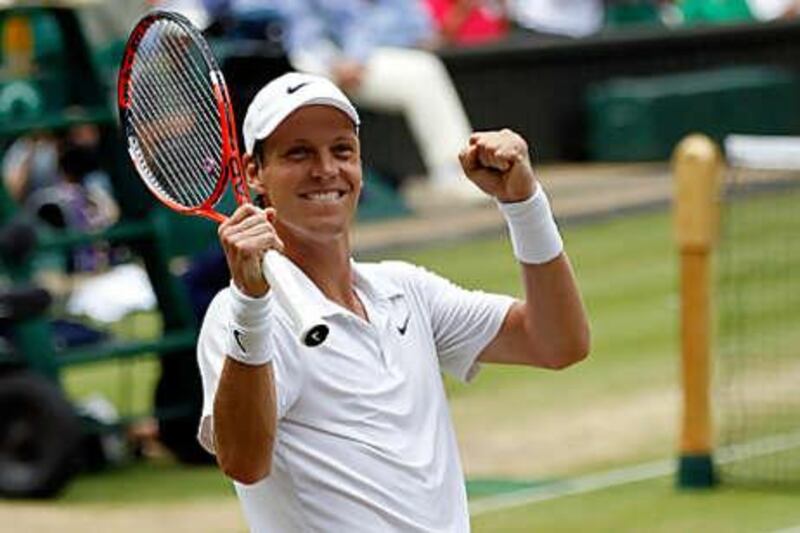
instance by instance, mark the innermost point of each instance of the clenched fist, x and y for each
(245, 237)
(498, 163)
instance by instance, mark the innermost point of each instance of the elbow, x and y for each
(567, 352)
(247, 478)
(569, 357)
(244, 466)
(245, 474)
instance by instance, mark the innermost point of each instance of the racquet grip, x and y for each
(306, 319)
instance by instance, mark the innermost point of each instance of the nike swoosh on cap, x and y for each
(292, 90)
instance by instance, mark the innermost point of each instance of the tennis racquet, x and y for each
(178, 121)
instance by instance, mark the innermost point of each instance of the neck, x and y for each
(327, 264)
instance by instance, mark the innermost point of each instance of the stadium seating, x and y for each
(634, 119)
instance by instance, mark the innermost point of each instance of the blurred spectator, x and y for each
(61, 180)
(774, 9)
(374, 50)
(468, 22)
(558, 18)
(30, 163)
(197, 11)
(62, 184)
(236, 19)
(90, 184)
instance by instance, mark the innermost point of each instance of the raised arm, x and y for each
(549, 328)
(245, 407)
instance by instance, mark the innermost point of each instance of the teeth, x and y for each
(328, 196)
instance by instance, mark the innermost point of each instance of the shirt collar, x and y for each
(364, 278)
(379, 288)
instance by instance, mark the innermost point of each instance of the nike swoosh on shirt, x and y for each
(236, 335)
(402, 329)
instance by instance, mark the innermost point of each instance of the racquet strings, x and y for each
(174, 117)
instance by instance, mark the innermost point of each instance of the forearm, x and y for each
(244, 404)
(555, 323)
(245, 420)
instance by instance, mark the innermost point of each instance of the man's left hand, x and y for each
(499, 164)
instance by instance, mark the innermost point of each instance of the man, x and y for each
(355, 435)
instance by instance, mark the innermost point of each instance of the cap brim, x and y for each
(269, 127)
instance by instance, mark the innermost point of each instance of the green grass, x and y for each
(128, 384)
(158, 481)
(653, 506)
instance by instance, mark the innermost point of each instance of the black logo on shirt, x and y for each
(237, 335)
(292, 90)
(316, 335)
(402, 329)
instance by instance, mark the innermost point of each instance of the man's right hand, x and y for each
(245, 237)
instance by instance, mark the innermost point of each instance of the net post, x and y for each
(697, 170)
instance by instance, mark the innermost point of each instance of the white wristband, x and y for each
(248, 331)
(534, 234)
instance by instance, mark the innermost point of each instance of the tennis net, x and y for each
(757, 377)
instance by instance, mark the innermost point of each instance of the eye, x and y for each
(297, 153)
(343, 150)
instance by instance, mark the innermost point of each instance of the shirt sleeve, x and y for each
(210, 358)
(463, 322)
(211, 348)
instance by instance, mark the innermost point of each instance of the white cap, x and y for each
(282, 96)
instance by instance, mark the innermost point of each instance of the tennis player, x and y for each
(355, 434)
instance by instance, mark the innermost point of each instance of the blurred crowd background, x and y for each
(391, 57)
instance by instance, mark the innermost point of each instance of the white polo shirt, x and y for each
(364, 439)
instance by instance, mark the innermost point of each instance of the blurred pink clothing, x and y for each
(484, 23)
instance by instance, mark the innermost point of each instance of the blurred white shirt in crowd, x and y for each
(770, 9)
(574, 18)
(194, 10)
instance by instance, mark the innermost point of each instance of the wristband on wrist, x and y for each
(534, 234)
(248, 330)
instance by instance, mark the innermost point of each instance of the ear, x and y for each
(251, 175)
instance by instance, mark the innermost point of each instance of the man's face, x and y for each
(311, 172)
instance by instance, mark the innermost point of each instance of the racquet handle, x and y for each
(307, 321)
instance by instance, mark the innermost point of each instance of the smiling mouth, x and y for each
(323, 196)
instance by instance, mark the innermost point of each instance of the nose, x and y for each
(324, 165)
